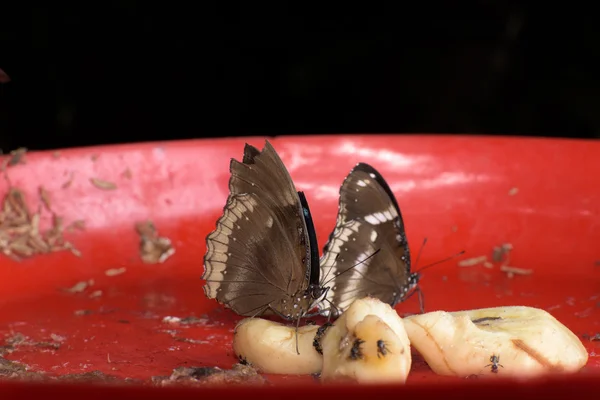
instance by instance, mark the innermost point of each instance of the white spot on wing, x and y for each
(381, 217)
(373, 235)
(361, 183)
(270, 221)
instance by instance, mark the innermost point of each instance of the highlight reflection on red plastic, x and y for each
(470, 193)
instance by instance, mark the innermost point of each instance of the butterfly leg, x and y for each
(420, 295)
(297, 326)
(280, 315)
(261, 310)
(421, 299)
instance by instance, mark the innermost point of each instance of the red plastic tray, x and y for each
(472, 193)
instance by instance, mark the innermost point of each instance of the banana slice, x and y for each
(270, 347)
(521, 341)
(368, 344)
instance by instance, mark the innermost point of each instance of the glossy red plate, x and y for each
(472, 193)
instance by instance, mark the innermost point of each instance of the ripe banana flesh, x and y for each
(367, 343)
(516, 341)
(270, 347)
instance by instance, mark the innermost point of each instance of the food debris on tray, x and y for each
(200, 376)
(500, 255)
(79, 287)
(19, 340)
(20, 234)
(471, 262)
(153, 249)
(102, 184)
(15, 157)
(12, 370)
(592, 338)
(115, 271)
(512, 271)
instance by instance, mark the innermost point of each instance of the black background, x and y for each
(133, 71)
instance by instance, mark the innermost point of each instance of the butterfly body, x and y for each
(263, 256)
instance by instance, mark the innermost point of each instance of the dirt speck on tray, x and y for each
(201, 376)
(68, 183)
(153, 249)
(127, 174)
(102, 184)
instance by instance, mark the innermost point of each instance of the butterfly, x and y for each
(263, 258)
(367, 253)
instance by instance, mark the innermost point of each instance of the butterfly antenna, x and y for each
(460, 253)
(352, 267)
(420, 251)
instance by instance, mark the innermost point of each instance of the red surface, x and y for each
(452, 190)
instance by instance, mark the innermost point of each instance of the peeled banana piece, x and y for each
(270, 347)
(509, 341)
(368, 344)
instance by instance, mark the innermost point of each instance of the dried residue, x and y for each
(592, 338)
(17, 340)
(79, 287)
(471, 262)
(153, 248)
(115, 271)
(45, 197)
(512, 271)
(76, 225)
(191, 320)
(15, 157)
(68, 183)
(201, 376)
(127, 174)
(102, 184)
(12, 370)
(502, 253)
(20, 234)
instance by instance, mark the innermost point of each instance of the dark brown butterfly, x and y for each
(367, 253)
(263, 255)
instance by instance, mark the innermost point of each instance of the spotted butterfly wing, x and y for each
(263, 254)
(367, 253)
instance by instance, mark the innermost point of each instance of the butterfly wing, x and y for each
(368, 220)
(260, 251)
